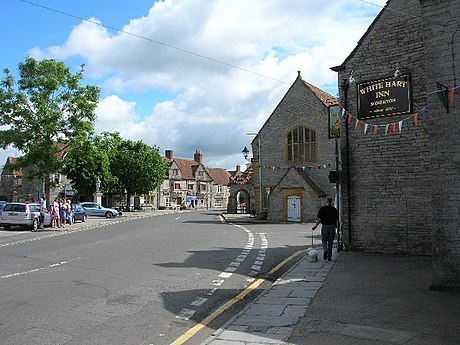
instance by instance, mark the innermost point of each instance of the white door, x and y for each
(293, 204)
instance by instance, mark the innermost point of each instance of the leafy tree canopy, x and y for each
(88, 162)
(138, 167)
(44, 112)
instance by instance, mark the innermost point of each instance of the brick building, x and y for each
(400, 179)
(292, 156)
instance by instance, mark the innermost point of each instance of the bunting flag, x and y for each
(386, 129)
(304, 167)
(241, 180)
(451, 96)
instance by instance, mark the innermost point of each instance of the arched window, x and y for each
(301, 145)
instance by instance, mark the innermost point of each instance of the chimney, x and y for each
(169, 154)
(238, 168)
(198, 157)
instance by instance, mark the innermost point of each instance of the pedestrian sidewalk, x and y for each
(271, 318)
(356, 299)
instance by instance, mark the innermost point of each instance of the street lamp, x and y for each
(245, 153)
(259, 166)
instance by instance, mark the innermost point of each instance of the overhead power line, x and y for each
(182, 50)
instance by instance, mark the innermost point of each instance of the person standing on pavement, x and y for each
(328, 217)
(42, 201)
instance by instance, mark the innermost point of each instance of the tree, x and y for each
(88, 162)
(138, 167)
(44, 113)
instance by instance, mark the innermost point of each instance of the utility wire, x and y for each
(182, 50)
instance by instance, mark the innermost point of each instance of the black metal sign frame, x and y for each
(384, 97)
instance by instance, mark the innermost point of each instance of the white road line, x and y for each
(17, 274)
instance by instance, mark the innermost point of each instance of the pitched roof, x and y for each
(187, 168)
(219, 176)
(7, 169)
(323, 96)
(311, 183)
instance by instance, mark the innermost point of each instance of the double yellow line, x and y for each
(195, 329)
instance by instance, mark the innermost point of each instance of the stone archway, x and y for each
(241, 199)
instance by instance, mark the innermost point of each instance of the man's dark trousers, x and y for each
(327, 239)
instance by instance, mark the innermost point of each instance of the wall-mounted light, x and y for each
(245, 153)
(351, 78)
(397, 71)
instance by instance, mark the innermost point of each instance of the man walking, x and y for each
(328, 217)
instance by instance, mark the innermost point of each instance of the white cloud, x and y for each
(215, 105)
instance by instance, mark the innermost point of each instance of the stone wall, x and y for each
(300, 106)
(387, 205)
(441, 26)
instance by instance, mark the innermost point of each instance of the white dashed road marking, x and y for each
(17, 274)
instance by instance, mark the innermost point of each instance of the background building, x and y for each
(293, 155)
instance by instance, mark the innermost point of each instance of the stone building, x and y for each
(241, 199)
(293, 155)
(190, 184)
(15, 186)
(400, 189)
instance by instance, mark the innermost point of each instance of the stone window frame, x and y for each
(298, 149)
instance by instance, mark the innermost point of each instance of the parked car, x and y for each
(78, 213)
(2, 203)
(94, 209)
(23, 215)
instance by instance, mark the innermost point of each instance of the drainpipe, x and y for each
(345, 86)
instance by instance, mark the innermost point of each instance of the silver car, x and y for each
(23, 215)
(94, 209)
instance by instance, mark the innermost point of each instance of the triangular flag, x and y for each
(343, 111)
(356, 123)
(376, 128)
(365, 128)
(451, 96)
(349, 118)
(362, 125)
(458, 91)
(380, 130)
(416, 119)
(442, 94)
(400, 126)
(423, 116)
(393, 127)
(386, 129)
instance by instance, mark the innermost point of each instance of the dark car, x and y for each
(78, 213)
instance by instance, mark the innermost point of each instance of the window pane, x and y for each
(296, 152)
(302, 152)
(313, 136)
(289, 138)
(313, 152)
(301, 134)
(307, 135)
(296, 137)
(289, 152)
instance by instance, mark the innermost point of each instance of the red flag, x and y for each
(451, 96)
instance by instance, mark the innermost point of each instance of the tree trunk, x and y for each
(48, 190)
(128, 201)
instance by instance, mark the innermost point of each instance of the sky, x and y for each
(184, 75)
